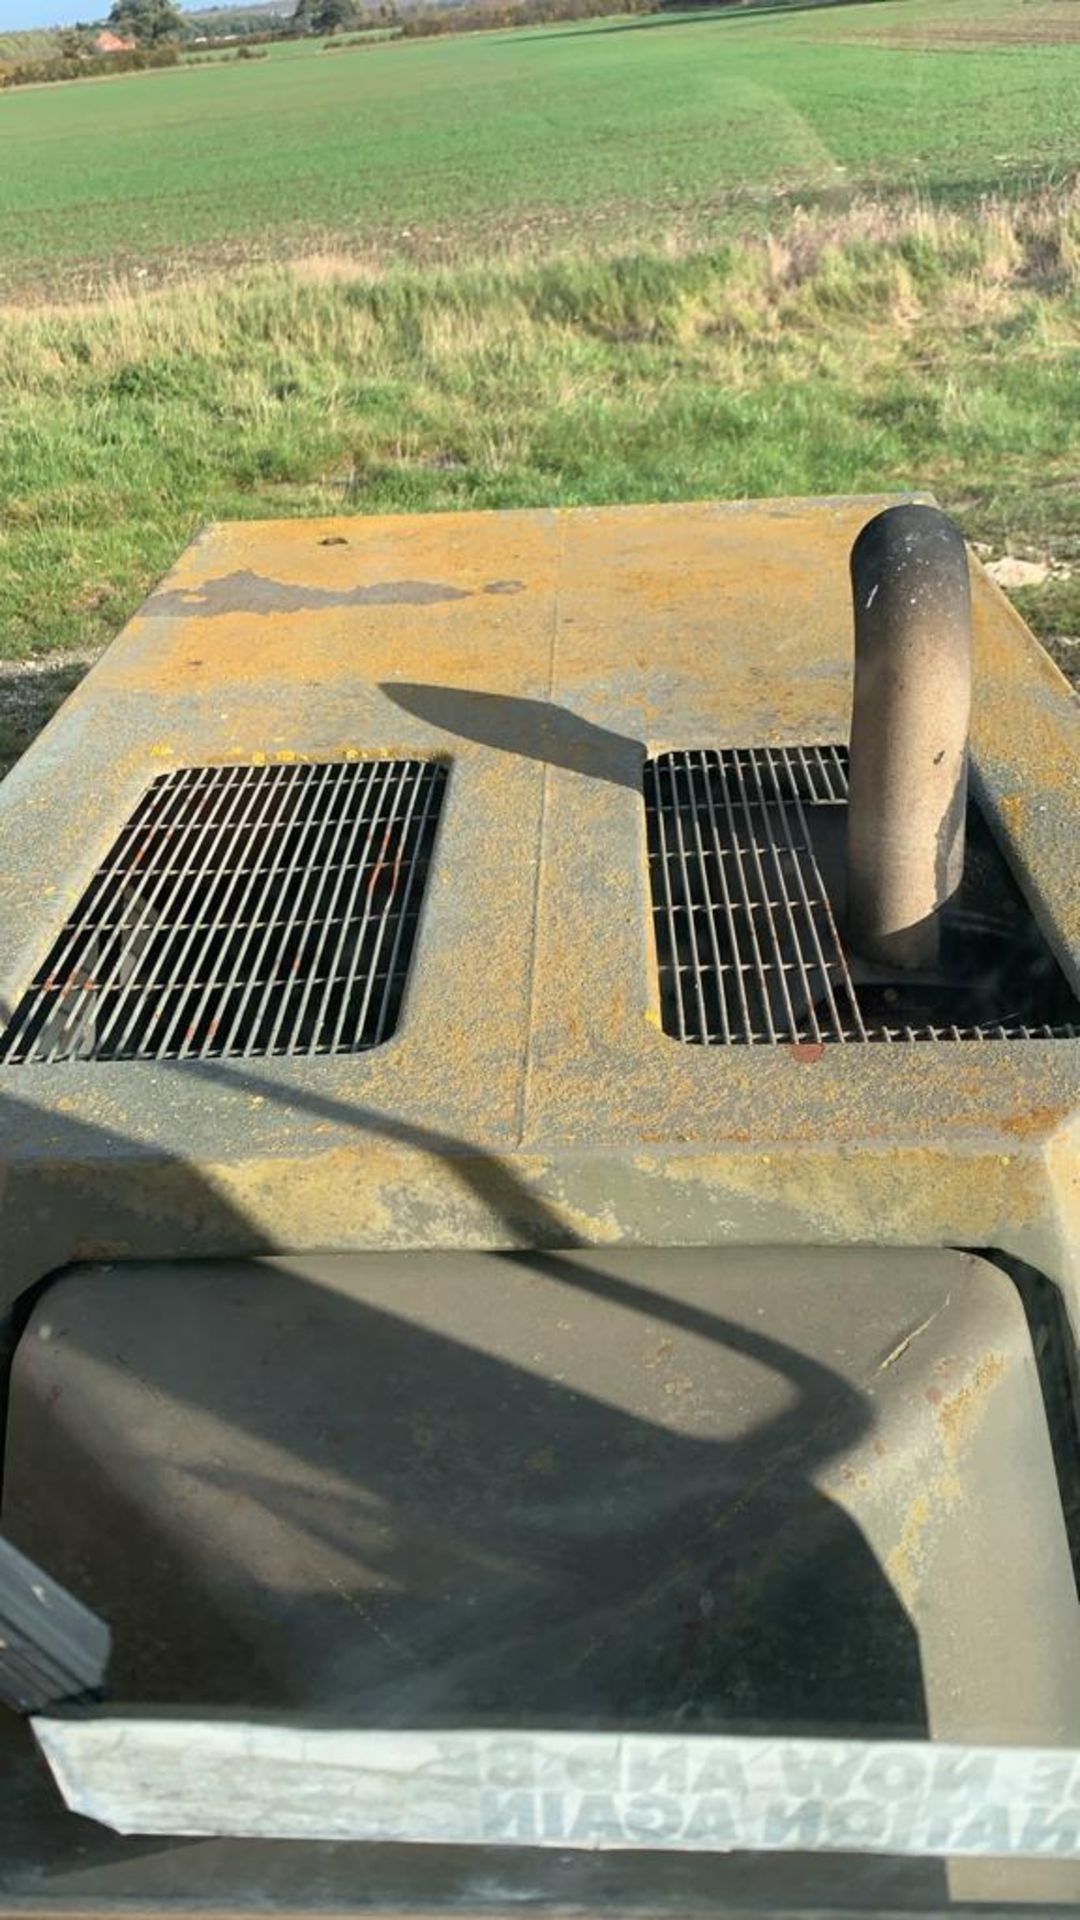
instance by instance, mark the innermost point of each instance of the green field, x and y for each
(823, 251)
(621, 130)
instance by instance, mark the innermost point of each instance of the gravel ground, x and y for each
(30, 692)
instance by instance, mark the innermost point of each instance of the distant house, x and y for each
(109, 42)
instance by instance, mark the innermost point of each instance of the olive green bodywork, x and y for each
(689, 1489)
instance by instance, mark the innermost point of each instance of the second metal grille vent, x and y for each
(243, 911)
(747, 942)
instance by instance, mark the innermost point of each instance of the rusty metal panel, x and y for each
(531, 1093)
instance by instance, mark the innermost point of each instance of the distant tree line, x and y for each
(31, 43)
(157, 30)
(153, 30)
(424, 22)
(150, 23)
(86, 66)
(230, 24)
(328, 17)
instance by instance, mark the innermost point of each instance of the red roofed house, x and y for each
(109, 42)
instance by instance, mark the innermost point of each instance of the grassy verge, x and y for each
(879, 348)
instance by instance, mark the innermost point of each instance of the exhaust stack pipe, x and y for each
(909, 734)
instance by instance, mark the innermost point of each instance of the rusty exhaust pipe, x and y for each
(909, 734)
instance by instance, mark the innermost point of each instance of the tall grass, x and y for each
(881, 347)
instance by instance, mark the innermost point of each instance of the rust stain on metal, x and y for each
(959, 1413)
(932, 1504)
(956, 1417)
(1037, 1122)
(530, 1043)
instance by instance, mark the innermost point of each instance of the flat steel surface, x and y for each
(529, 1093)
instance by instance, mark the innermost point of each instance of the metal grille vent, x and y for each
(741, 843)
(244, 910)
